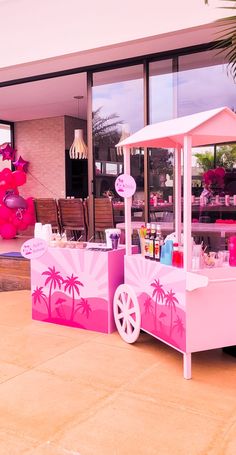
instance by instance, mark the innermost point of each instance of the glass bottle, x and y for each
(147, 240)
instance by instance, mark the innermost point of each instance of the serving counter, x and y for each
(75, 287)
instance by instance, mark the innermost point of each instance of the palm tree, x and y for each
(178, 324)
(170, 301)
(59, 308)
(148, 305)
(84, 306)
(38, 296)
(72, 284)
(105, 129)
(159, 294)
(228, 36)
(55, 279)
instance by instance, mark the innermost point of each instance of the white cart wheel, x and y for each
(127, 313)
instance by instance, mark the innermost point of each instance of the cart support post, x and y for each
(187, 203)
(178, 193)
(187, 366)
(128, 204)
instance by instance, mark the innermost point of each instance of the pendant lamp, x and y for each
(125, 132)
(78, 149)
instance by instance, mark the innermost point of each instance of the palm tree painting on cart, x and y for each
(75, 288)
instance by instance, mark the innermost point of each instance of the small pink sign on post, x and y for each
(125, 185)
(33, 248)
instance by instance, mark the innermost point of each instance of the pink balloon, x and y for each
(28, 218)
(22, 226)
(30, 202)
(19, 178)
(13, 201)
(5, 212)
(7, 231)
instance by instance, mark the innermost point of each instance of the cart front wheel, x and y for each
(127, 313)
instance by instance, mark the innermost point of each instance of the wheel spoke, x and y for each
(128, 301)
(132, 310)
(120, 305)
(123, 298)
(124, 324)
(129, 328)
(132, 321)
(120, 315)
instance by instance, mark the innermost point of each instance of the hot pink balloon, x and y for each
(8, 153)
(19, 177)
(5, 212)
(21, 164)
(7, 231)
(13, 201)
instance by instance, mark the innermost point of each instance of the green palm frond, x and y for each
(227, 37)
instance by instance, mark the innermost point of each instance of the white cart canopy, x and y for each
(209, 127)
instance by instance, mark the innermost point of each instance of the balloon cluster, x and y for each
(215, 177)
(16, 213)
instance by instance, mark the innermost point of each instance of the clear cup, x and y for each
(38, 230)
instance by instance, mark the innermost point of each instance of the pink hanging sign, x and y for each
(33, 248)
(125, 185)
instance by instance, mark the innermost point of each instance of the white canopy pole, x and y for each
(187, 203)
(178, 193)
(128, 204)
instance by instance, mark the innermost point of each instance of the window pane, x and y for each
(204, 83)
(5, 136)
(117, 109)
(161, 91)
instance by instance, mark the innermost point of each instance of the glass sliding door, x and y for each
(118, 110)
(162, 106)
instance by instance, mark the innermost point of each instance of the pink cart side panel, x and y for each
(161, 295)
(70, 287)
(116, 277)
(211, 311)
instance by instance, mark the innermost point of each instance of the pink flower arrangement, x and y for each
(214, 177)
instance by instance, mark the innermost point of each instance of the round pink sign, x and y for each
(125, 185)
(33, 248)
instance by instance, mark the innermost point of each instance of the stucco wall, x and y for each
(60, 27)
(42, 143)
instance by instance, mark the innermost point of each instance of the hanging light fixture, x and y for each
(78, 149)
(125, 132)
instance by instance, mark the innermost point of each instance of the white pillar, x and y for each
(128, 204)
(187, 203)
(178, 194)
(187, 366)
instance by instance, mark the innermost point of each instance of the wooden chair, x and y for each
(86, 215)
(46, 212)
(72, 217)
(104, 216)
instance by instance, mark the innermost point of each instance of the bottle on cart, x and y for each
(147, 240)
(158, 243)
(152, 242)
(175, 254)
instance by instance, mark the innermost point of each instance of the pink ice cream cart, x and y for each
(190, 310)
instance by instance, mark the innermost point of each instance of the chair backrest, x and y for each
(86, 213)
(104, 217)
(71, 213)
(46, 212)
